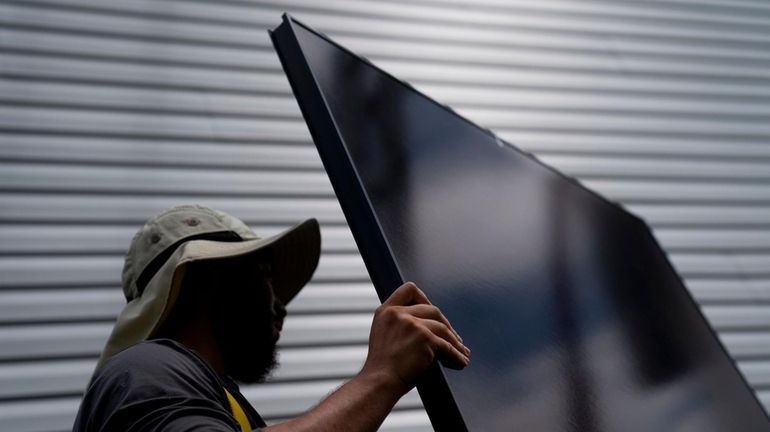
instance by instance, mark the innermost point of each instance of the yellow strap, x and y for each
(238, 413)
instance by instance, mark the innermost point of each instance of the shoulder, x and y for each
(148, 377)
(153, 358)
(159, 366)
(147, 353)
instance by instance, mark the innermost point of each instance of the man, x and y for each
(206, 301)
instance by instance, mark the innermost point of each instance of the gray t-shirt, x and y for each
(160, 385)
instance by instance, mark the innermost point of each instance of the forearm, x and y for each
(408, 334)
(360, 405)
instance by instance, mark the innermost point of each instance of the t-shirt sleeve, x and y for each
(154, 387)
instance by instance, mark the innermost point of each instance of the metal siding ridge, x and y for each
(695, 6)
(464, 77)
(490, 100)
(20, 118)
(757, 372)
(722, 264)
(131, 73)
(746, 317)
(255, 182)
(136, 209)
(730, 291)
(624, 79)
(625, 118)
(747, 345)
(114, 239)
(71, 304)
(410, 15)
(682, 9)
(683, 147)
(45, 378)
(713, 215)
(149, 152)
(714, 239)
(587, 166)
(679, 192)
(55, 414)
(34, 92)
(62, 43)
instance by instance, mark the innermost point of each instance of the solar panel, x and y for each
(576, 319)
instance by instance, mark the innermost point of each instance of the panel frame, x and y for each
(434, 391)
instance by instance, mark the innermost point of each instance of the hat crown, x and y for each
(170, 228)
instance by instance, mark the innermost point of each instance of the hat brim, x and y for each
(295, 253)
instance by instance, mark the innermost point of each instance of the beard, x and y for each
(253, 365)
(245, 322)
(248, 344)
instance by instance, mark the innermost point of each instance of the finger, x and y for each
(448, 355)
(442, 331)
(431, 312)
(407, 294)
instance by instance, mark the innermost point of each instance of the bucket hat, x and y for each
(162, 249)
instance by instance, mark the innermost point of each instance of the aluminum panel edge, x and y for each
(434, 391)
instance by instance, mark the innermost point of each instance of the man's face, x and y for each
(248, 318)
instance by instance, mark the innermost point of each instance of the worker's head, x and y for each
(221, 261)
(232, 302)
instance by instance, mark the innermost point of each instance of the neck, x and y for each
(198, 335)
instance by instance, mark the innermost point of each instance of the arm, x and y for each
(407, 334)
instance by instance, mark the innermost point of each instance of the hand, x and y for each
(407, 334)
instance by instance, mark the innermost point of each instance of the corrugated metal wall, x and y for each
(114, 110)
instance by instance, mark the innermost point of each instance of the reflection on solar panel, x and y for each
(576, 319)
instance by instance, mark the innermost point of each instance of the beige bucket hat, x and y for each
(160, 252)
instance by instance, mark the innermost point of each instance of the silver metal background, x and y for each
(113, 110)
